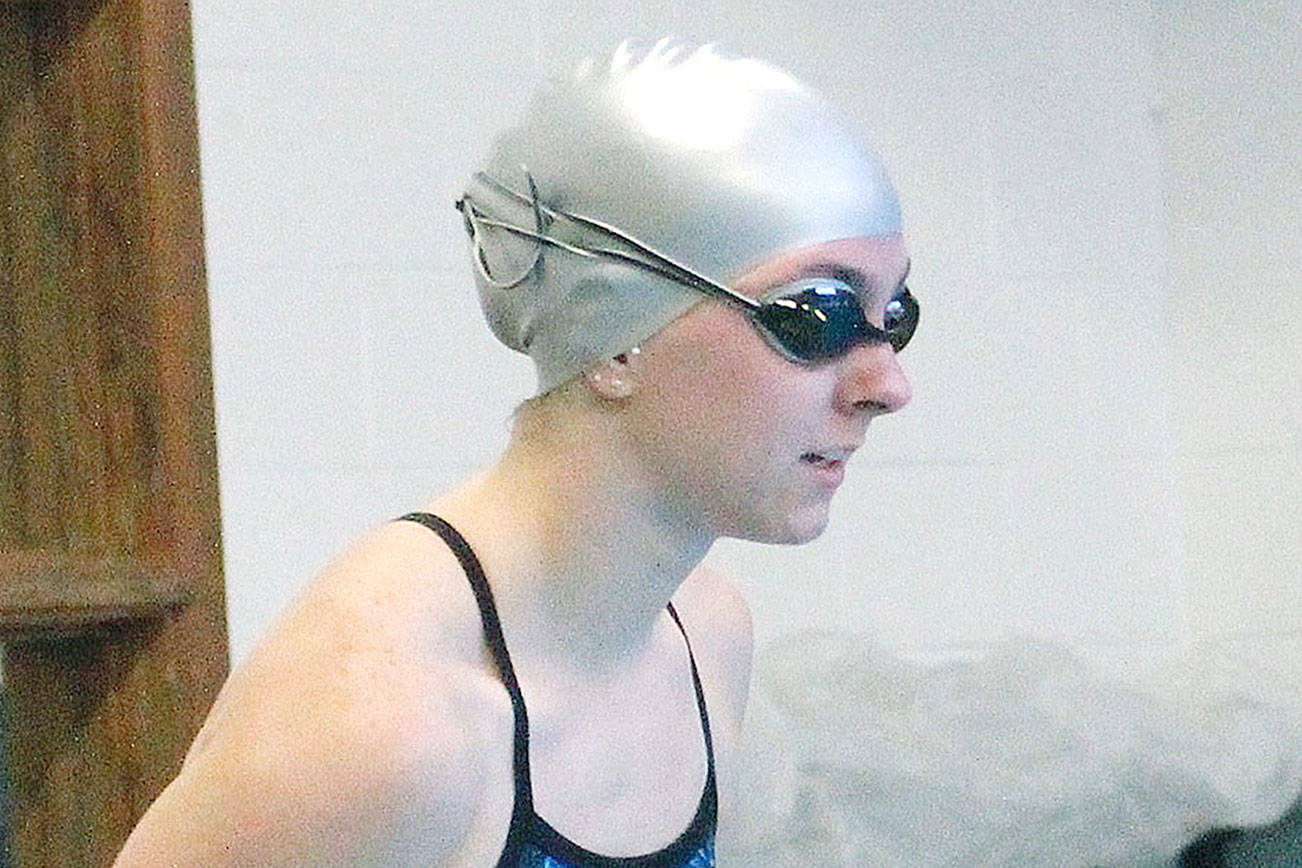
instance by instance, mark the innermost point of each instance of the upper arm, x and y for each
(326, 749)
(285, 781)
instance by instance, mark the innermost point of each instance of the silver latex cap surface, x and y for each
(715, 160)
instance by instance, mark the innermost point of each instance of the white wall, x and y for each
(1101, 201)
(1232, 112)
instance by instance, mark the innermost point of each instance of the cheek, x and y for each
(721, 423)
(715, 370)
(722, 389)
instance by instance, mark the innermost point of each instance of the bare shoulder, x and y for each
(349, 736)
(716, 603)
(718, 620)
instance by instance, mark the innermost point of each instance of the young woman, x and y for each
(707, 269)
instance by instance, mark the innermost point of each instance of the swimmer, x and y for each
(707, 269)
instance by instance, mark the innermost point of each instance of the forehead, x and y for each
(875, 265)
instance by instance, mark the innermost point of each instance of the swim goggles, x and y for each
(809, 321)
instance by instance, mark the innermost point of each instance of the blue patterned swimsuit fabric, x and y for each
(533, 857)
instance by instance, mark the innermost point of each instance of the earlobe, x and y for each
(614, 378)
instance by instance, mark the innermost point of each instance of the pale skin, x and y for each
(369, 727)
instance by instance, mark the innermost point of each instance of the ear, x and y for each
(615, 378)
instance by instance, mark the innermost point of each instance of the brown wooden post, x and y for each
(111, 604)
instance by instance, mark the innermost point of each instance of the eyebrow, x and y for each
(856, 279)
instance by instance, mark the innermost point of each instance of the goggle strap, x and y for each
(654, 261)
(660, 263)
(589, 252)
(473, 221)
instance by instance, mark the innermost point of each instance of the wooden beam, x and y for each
(108, 478)
(57, 593)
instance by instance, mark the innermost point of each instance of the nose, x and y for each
(872, 381)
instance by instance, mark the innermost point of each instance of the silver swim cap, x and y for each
(717, 161)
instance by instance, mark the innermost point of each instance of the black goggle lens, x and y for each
(820, 322)
(901, 319)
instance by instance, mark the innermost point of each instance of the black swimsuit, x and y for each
(531, 842)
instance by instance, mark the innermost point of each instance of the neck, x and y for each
(582, 550)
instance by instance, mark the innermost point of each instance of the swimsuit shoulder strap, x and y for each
(700, 695)
(501, 659)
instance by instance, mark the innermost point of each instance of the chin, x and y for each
(804, 535)
(797, 529)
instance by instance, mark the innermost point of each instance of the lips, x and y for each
(830, 456)
(828, 467)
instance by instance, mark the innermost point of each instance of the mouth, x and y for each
(828, 465)
(818, 459)
(827, 468)
(834, 456)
